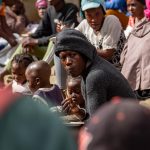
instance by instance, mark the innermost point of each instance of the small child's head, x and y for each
(19, 64)
(41, 6)
(38, 75)
(74, 90)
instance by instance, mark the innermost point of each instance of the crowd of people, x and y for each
(99, 51)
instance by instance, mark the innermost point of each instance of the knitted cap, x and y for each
(74, 40)
(118, 126)
(41, 3)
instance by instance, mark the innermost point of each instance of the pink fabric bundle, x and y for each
(147, 11)
(41, 3)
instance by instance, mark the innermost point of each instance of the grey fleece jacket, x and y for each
(46, 28)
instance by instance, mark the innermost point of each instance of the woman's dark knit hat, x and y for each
(74, 40)
(123, 125)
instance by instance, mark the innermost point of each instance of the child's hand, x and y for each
(66, 105)
(70, 106)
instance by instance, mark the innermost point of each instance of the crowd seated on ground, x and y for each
(103, 56)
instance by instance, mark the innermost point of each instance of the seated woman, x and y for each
(16, 18)
(104, 32)
(135, 57)
(41, 6)
(136, 11)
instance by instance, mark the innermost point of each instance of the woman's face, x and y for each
(135, 8)
(41, 11)
(95, 18)
(73, 62)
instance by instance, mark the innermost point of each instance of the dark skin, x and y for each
(74, 99)
(136, 8)
(29, 43)
(73, 62)
(37, 75)
(5, 31)
(18, 72)
(95, 18)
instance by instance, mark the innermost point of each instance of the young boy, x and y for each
(38, 75)
(74, 103)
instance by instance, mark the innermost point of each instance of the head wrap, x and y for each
(41, 3)
(147, 11)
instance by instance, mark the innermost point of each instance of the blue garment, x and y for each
(116, 4)
(50, 95)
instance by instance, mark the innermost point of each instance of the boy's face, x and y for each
(73, 62)
(95, 17)
(32, 81)
(18, 72)
(74, 91)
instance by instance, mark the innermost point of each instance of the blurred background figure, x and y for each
(41, 6)
(136, 53)
(16, 18)
(27, 125)
(136, 12)
(119, 9)
(5, 31)
(129, 130)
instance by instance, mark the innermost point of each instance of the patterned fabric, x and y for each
(116, 57)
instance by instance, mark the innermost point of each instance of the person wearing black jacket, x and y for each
(63, 13)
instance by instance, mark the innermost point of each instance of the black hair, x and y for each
(24, 59)
(142, 2)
